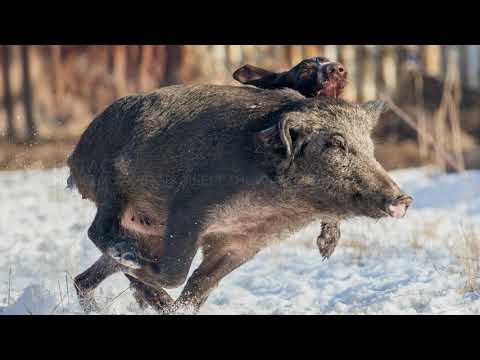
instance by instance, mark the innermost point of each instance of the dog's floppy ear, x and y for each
(258, 77)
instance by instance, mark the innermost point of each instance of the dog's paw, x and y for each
(328, 239)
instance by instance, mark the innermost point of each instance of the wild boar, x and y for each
(222, 168)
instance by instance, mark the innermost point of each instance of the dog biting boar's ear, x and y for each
(317, 76)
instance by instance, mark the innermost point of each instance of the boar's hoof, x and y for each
(328, 239)
(88, 303)
(125, 254)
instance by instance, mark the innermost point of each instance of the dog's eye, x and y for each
(337, 141)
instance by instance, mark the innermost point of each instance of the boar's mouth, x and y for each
(398, 207)
(395, 208)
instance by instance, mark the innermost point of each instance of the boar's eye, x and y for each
(337, 141)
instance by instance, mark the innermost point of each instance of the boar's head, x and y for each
(322, 152)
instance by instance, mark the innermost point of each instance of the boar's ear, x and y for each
(261, 78)
(281, 136)
(374, 109)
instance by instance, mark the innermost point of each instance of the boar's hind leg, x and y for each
(179, 248)
(219, 259)
(86, 282)
(146, 296)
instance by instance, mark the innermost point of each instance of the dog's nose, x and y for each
(335, 67)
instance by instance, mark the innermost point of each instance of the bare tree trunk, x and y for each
(369, 65)
(379, 75)
(296, 54)
(310, 51)
(445, 51)
(473, 68)
(160, 59)
(145, 65)
(330, 52)
(173, 64)
(7, 93)
(58, 81)
(360, 52)
(455, 95)
(347, 58)
(235, 57)
(288, 55)
(278, 54)
(120, 69)
(463, 53)
(420, 114)
(228, 59)
(57, 72)
(401, 57)
(27, 93)
(431, 59)
(389, 69)
(249, 54)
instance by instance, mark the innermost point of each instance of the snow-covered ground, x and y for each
(425, 263)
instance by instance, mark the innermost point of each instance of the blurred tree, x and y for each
(288, 55)
(173, 64)
(31, 130)
(360, 59)
(58, 83)
(7, 92)
(120, 69)
(145, 66)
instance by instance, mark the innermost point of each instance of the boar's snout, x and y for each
(397, 208)
(381, 197)
(394, 202)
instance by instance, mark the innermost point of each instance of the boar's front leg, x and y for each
(221, 255)
(328, 238)
(86, 282)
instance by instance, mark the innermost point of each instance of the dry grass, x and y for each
(470, 259)
(36, 156)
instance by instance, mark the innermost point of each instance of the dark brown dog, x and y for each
(317, 76)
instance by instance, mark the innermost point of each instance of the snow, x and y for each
(425, 263)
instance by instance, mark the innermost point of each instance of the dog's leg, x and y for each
(328, 238)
